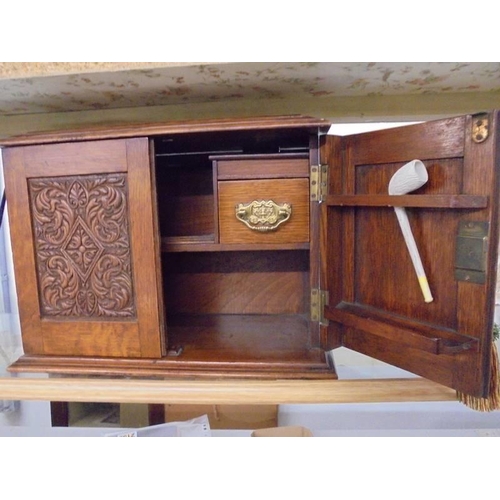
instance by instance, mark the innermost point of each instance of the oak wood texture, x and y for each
(224, 392)
(198, 245)
(158, 250)
(440, 138)
(245, 306)
(144, 247)
(23, 249)
(256, 337)
(376, 274)
(110, 131)
(186, 200)
(315, 235)
(278, 166)
(331, 229)
(428, 338)
(292, 191)
(428, 201)
(92, 158)
(247, 317)
(249, 308)
(237, 282)
(307, 364)
(99, 335)
(81, 237)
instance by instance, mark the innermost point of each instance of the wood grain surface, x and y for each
(139, 332)
(263, 167)
(292, 191)
(224, 392)
(157, 129)
(376, 273)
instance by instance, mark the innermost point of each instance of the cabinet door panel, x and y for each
(376, 304)
(84, 247)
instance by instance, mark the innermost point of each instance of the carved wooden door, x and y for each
(81, 217)
(376, 305)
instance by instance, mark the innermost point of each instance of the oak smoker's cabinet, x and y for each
(252, 248)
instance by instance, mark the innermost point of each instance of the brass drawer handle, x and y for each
(263, 215)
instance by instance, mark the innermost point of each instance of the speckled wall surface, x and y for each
(341, 92)
(232, 82)
(37, 69)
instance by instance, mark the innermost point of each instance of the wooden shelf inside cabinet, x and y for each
(199, 245)
(430, 339)
(243, 337)
(422, 201)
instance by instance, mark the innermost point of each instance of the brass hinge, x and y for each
(319, 182)
(471, 251)
(480, 127)
(319, 299)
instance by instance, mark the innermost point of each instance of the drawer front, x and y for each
(264, 167)
(264, 211)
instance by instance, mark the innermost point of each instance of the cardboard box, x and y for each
(286, 431)
(226, 416)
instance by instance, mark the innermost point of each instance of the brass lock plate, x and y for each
(471, 251)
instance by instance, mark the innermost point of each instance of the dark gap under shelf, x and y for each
(205, 243)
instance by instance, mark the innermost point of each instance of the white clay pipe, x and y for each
(408, 178)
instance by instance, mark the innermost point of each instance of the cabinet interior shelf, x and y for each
(422, 200)
(243, 337)
(195, 244)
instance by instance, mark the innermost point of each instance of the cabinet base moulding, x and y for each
(307, 369)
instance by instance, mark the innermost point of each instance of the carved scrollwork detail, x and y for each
(82, 246)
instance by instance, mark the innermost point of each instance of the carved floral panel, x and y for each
(82, 246)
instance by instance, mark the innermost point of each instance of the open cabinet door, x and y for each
(82, 230)
(376, 305)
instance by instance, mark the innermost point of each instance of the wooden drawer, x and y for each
(280, 213)
(277, 166)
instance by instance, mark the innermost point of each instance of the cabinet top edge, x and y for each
(128, 130)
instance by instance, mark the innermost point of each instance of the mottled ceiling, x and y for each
(90, 86)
